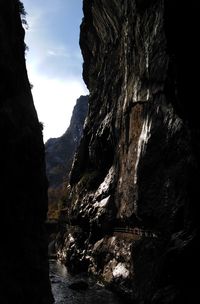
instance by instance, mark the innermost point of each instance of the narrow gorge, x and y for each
(130, 213)
(59, 154)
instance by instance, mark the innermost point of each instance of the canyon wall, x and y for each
(23, 190)
(135, 179)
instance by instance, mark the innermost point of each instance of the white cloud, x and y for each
(59, 52)
(51, 53)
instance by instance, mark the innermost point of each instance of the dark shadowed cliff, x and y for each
(60, 151)
(135, 180)
(23, 189)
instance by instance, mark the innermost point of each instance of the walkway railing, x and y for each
(136, 231)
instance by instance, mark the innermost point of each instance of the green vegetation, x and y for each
(23, 14)
(57, 201)
(41, 125)
(22, 11)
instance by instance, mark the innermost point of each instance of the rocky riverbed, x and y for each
(71, 290)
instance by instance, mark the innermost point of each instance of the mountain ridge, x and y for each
(60, 150)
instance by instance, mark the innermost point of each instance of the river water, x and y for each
(94, 294)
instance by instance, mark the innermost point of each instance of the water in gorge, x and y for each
(61, 280)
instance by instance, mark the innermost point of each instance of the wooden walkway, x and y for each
(134, 233)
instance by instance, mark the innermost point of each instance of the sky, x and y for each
(54, 60)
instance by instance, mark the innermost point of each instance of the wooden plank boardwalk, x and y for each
(134, 233)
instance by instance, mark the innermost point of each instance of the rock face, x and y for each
(60, 151)
(135, 180)
(23, 191)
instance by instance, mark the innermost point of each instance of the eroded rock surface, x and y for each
(138, 162)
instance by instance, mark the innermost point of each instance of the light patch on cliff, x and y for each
(120, 271)
(143, 139)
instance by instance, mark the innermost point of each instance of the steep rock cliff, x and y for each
(60, 151)
(135, 180)
(23, 190)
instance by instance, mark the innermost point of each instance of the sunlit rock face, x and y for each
(138, 162)
(23, 190)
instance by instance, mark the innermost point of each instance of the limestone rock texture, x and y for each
(23, 189)
(137, 166)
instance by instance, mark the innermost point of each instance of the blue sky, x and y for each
(54, 60)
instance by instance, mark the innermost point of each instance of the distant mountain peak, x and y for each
(60, 151)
